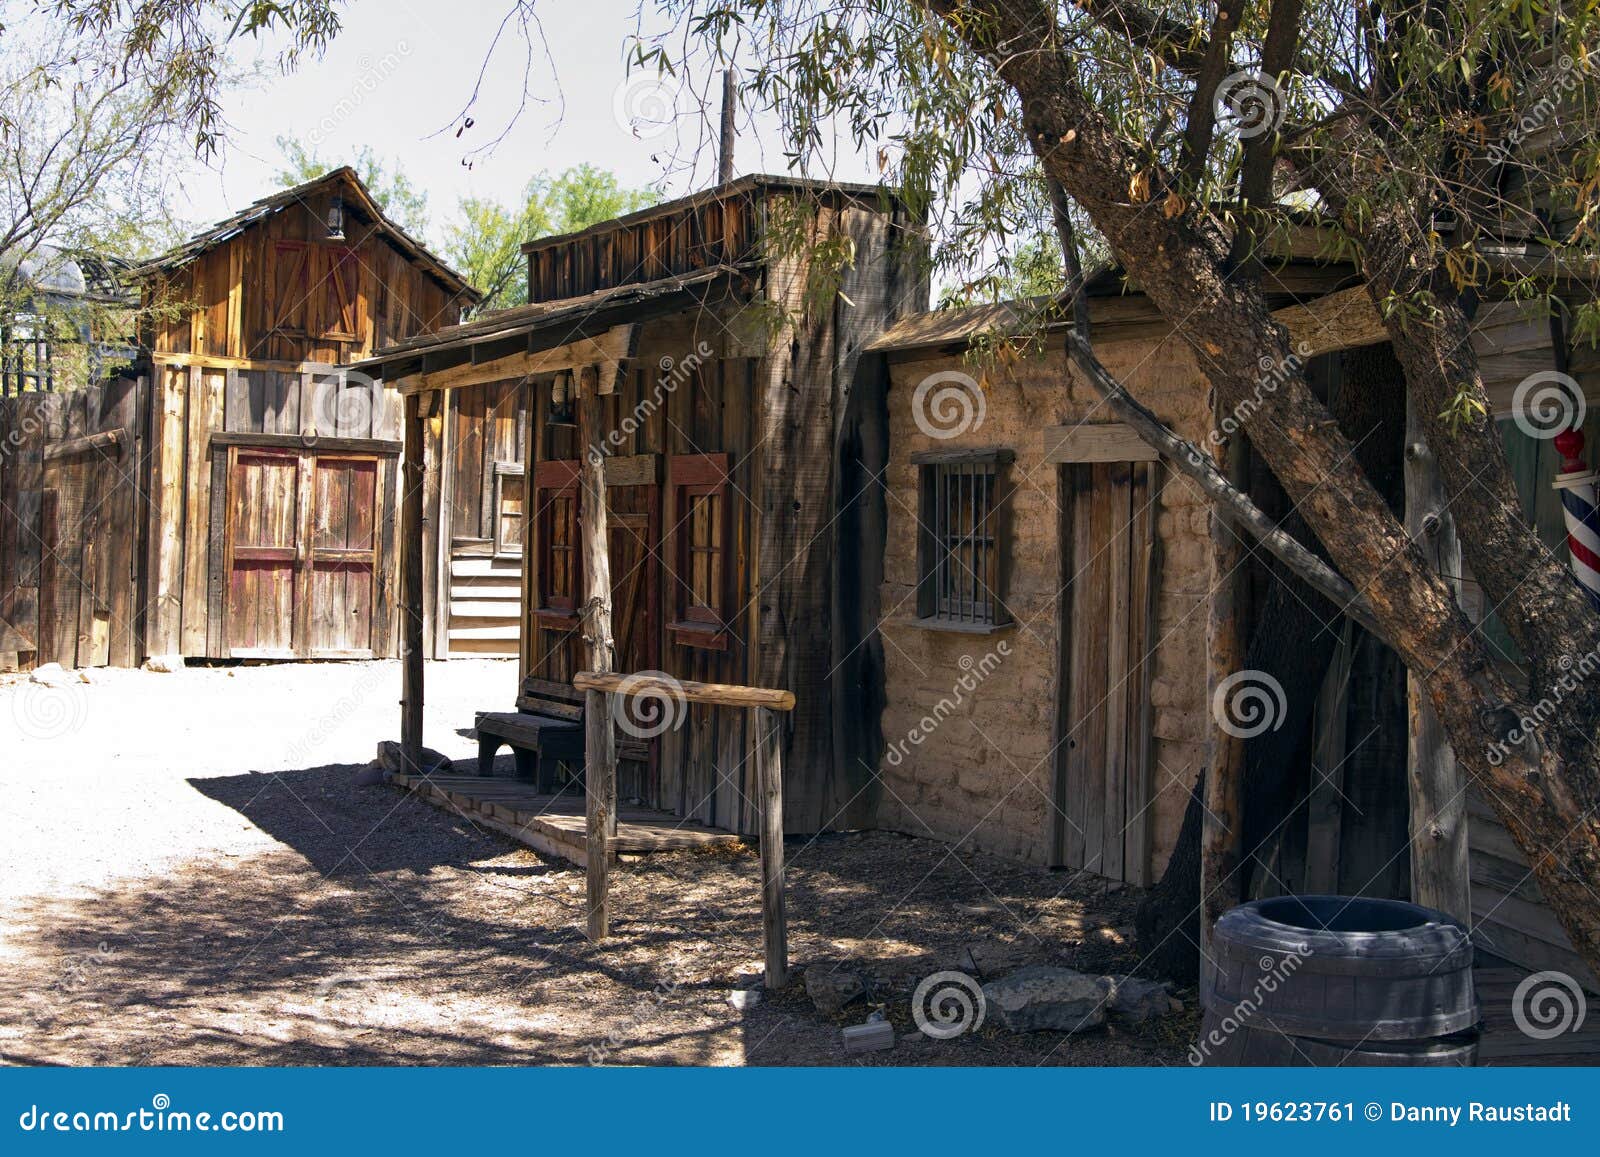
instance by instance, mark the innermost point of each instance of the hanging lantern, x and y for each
(561, 410)
(1576, 482)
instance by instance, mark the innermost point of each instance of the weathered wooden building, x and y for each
(273, 468)
(726, 369)
(1043, 591)
(260, 471)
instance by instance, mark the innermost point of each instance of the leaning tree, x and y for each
(1448, 148)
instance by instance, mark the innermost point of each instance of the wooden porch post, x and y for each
(600, 740)
(411, 588)
(1222, 829)
(1439, 868)
(774, 924)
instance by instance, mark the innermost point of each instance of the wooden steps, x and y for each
(485, 605)
(555, 824)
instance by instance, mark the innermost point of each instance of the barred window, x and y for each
(961, 555)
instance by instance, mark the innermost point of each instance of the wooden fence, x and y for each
(71, 512)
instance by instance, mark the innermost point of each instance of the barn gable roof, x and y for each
(354, 191)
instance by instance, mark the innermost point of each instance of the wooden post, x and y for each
(411, 481)
(600, 739)
(1222, 829)
(1439, 868)
(774, 924)
(729, 106)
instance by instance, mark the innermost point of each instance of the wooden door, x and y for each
(304, 557)
(264, 488)
(1102, 740)
(341, 558)
(631, 522)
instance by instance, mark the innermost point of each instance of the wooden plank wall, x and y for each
(70, 510)
(702, 770)
(256, 297)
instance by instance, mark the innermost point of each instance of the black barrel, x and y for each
(1314, 980)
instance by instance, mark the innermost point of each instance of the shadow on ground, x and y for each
(381, 930)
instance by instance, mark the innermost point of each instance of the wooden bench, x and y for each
(539, 742)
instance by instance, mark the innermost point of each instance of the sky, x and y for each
(400, 73)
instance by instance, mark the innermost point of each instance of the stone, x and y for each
(389, 758)
(370, 774)
(832, 987)
(744, 999)
(1041, 997)
(164, 664)
(874, 1036)
(53, 675)
(1136, 1000)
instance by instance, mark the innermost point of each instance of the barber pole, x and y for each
(1576, 482)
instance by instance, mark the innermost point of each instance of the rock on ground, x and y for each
(389, 758)
(1041, 997)
(1135, 1000)
(832, 987)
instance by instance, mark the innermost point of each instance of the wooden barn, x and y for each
(260, 472)
(725, 421)
(1043, 587)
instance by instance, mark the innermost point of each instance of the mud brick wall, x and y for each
(983, 774)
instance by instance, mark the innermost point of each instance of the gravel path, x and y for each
(193, 876)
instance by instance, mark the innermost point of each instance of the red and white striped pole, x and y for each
(1576, 482)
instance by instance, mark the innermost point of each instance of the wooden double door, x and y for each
(308, 533)
(1107, 632)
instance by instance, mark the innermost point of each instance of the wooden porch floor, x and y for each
(554, 824)
(1503, 1043)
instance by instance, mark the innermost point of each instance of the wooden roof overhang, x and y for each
(599, 330)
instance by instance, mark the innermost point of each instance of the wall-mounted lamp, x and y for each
(336, 218)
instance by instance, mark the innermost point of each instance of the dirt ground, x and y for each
(192, 875)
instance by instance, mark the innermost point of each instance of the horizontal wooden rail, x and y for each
(105, 440)
(721, 694)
